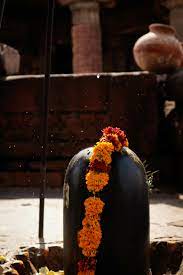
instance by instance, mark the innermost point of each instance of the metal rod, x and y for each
(44, 134)
(2, 12)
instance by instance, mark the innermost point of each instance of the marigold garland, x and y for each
(96, 181)
(97, 177)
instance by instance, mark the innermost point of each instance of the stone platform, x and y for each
(19, 210)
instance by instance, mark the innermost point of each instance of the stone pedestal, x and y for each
(176, 16)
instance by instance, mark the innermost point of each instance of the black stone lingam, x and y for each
(124, 249)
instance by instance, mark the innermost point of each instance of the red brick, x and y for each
(87, 53)
(27, 179)
(134, 108)
(20, 94)
(32, 150)
(60, 127)
(54, 165)
(68, 93)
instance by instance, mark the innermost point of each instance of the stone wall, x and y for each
(79, 107)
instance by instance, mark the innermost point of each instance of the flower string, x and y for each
(97, 177)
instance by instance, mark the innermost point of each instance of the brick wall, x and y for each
(79, 107)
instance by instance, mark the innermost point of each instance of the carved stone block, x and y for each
(9, 60)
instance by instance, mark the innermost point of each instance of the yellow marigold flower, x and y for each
(96, 181)
(2, 259)
(102, 152)
(89, 253)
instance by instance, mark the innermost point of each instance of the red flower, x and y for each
(87, 264)
(111, 138)
(99, 166)
(110, 132)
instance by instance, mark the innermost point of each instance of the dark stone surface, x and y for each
(166, 256)
(54, 259)
(51, 257)
(171, 148)
(19, 267)
(174, 86)
(125, 219)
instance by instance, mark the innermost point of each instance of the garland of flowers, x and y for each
(97, 177)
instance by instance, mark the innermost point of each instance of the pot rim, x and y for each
(158, 27)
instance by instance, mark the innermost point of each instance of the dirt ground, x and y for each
(19, 215)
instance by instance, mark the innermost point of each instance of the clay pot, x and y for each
(125, 219)
(159, 50)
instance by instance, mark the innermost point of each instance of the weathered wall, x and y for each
(24, 29)
(79, 107)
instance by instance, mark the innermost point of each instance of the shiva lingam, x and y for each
(106, 210)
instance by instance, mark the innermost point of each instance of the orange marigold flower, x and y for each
(89, 238)
(93, 206)
(96, 181)
(113, 138)
(102, 152)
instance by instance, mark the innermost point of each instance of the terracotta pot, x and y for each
(159, 50)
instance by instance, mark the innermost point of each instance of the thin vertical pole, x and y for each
(2, 12)
(44, 134)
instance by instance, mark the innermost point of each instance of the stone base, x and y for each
(166, 256)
